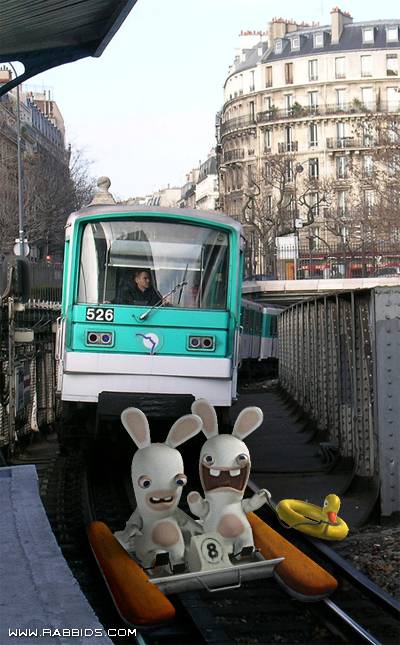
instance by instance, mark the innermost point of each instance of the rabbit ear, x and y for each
(136, 424)
(183, 429)
(208, 416)
(248, 420)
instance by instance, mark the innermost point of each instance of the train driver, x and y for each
(138, 290)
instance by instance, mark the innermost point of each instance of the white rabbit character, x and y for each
(224, 472)
(154, 528)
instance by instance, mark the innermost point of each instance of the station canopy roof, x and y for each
(45, 33)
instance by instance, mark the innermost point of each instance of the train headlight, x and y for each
(100, 338)
(203, 343)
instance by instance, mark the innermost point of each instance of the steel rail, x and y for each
(350, 623)
(359, 580)
(343, 566)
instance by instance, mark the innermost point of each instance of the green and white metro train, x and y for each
(111, 353)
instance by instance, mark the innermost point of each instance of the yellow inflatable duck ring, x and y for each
(314, 520)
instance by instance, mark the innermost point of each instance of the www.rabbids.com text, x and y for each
(70, 632)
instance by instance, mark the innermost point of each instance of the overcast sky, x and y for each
(144, 112)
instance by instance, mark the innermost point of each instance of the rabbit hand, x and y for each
(259, 499)
(198, 506)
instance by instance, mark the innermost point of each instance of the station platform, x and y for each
(40, 600)
(290, 460)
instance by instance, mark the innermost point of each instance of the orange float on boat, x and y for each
(302, 577)
(138, 601)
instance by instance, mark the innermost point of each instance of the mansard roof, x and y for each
(351, 40)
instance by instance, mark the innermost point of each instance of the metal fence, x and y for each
(339, 358)
(301, 261)
(27, 356)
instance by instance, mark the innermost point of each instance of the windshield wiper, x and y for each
(160, 303)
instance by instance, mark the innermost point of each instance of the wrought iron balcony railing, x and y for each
(288, 146)
(350, 143)
(238, 123)
(299, 111)
(232, 155)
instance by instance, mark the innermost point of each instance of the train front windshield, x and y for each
(189, 262)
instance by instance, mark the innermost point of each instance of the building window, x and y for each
(289, 170)
(368, 35)
(392, 34)
(313, 168)
(313, 70)
(314, 238)
(342, 202)
(341, 99)
(393, 99)
(268, 76)
(313, 101)
(392, 65)
(394, 168)
(288, 73)
(341, 134)
(268, 171)
(268, 204)
(295, 43)
(250, 174)
(252, 85)
(340, 67)
(252, 111)
(318, 40)
(367, 140)
(341, 167)
(367, 97)
(278, 46)
(369, 200)
(314, 204)
(267, 140)
(267, 103)
(367, 165)
(366, 66)
(288, 104)
(288, 137)
(313, 135)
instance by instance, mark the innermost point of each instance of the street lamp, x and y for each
(21, 237)
(298, 223)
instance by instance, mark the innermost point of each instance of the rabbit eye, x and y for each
(180, 480)
(242, 459)
(208, 459)
(144, 481)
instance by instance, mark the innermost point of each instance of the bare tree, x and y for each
(274, 199)
(54, 185)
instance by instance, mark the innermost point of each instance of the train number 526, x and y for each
(98, 313)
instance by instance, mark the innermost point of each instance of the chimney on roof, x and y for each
(339, 19)
(279, 27)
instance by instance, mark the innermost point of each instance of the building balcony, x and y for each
(238, 123)
(350, 143)
(288, 146)
(233, 155)
(301, 112)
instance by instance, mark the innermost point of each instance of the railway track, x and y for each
(77, 488)
(360, 609)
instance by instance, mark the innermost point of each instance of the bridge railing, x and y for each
(339, 358)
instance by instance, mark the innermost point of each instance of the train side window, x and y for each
(273, 325)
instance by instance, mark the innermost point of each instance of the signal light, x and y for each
(206, 343)
(99, 338)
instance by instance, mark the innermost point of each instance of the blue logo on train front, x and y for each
(150, 341)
